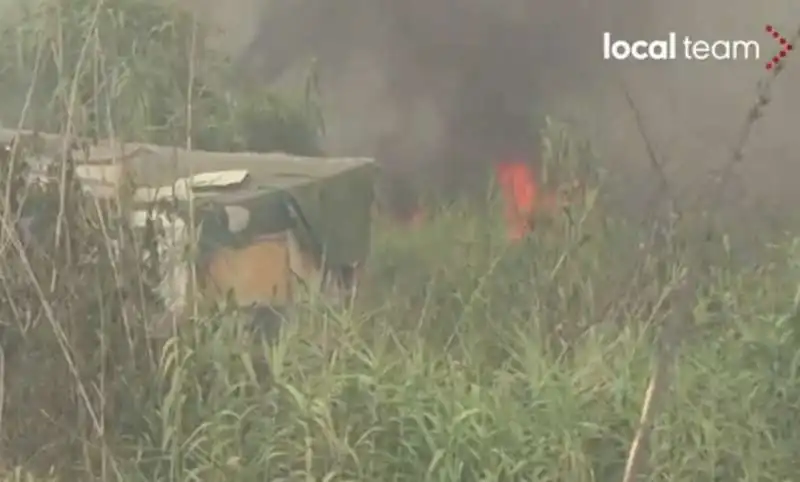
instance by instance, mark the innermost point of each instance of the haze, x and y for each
(440, 87)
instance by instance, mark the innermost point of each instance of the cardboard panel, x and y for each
(256, 274)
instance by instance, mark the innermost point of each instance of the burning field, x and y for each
(525, 201)
(478, 344)
(525, 334)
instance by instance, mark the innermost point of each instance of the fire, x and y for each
(522, 197)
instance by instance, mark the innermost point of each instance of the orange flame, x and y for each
(522, 197)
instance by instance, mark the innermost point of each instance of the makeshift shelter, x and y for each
(264, 225)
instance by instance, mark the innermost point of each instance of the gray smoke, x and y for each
(442, 87)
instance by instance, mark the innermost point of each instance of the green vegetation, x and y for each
(465, 358)
(134, 69)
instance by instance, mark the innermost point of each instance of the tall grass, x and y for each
(128, 69)
(465, 359)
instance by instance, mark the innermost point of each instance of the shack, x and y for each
(259, 228)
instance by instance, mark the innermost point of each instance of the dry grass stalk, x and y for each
(654, 397)
(660, 376)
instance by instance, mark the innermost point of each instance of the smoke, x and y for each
(439, 89)
(434, 87)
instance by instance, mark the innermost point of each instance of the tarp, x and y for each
(326, 201)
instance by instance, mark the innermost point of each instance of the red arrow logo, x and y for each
(786, 47)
